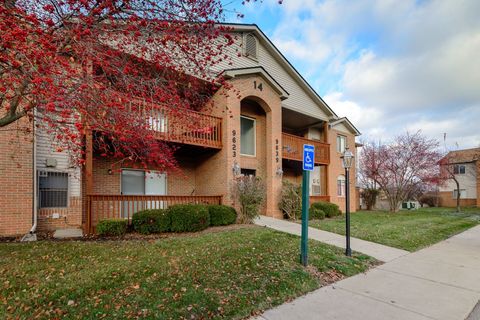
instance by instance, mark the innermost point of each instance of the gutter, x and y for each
(31, 236)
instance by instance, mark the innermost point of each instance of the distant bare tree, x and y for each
(398, 168)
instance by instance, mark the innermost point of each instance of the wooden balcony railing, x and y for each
(100, 207)
(187, 127)
(293, 148)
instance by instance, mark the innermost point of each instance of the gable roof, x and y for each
(273, 50)
(231, 73)
(345, 122)
(463, 156)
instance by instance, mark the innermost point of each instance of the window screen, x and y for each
(247, 131)
(52, 189)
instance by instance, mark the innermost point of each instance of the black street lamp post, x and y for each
(347, 160)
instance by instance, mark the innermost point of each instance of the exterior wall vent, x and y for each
(250, 46)
(51, 162)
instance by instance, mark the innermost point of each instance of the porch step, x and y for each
(68, 233)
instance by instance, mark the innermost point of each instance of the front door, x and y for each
(139, 182)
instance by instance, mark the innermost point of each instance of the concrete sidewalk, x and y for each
(439, 282)
(378, 251)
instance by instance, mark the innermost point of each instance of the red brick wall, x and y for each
(70, 217)
(335, 169)
(181, 183)
(446, 200)
(16, 179)
(478, 183)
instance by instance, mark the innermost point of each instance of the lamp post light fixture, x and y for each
(347, 160)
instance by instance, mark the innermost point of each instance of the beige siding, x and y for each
(467, 181)
(299, 100)
(45, 150)
(342, 128)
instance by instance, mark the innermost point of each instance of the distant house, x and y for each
(465, 166)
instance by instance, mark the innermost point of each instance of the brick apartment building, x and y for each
(263, 135)
(465, 165)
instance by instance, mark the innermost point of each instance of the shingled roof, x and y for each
(463, 156)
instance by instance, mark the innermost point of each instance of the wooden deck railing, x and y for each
(185, 126)
(100, 207)
(293, 148)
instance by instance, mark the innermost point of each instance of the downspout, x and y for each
(31, 236)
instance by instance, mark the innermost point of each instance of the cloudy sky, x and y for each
(388, 65)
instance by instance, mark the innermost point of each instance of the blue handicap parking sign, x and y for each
(308, 157)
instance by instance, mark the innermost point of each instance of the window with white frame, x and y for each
(459, 169)
(463, 193)
(341, 186)
(52, 189)
(341, 143)
(247, 136)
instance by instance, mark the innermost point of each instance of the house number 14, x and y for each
(257, 86)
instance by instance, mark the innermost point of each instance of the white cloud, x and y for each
(389, 65)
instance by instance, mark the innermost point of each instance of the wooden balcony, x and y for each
(293, 149)
(100, 207)
(187, 127)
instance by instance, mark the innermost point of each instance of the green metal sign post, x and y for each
(308, 165)
(305, 205)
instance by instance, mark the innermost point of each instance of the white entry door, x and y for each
(139, 182)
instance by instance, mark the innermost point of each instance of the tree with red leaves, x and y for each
(400, 167)
(108, 66)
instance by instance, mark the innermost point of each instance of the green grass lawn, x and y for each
(409, 230)
(228, 274)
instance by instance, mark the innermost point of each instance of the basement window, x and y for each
(52, 189)
(463, 193)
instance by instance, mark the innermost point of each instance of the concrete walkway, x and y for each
(378, 251)
(439, 282)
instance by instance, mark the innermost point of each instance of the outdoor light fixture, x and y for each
(110, 172)
(347, 161)
(236, 169)
(279, 172)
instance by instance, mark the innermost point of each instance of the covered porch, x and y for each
(116, 190)
(299, 129)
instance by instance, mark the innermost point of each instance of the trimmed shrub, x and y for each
(151, 221)
(112, 227)
(331, 209)
(315, 213)
(221, 215)
(188, 217)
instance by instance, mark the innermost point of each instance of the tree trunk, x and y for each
(458, 194)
